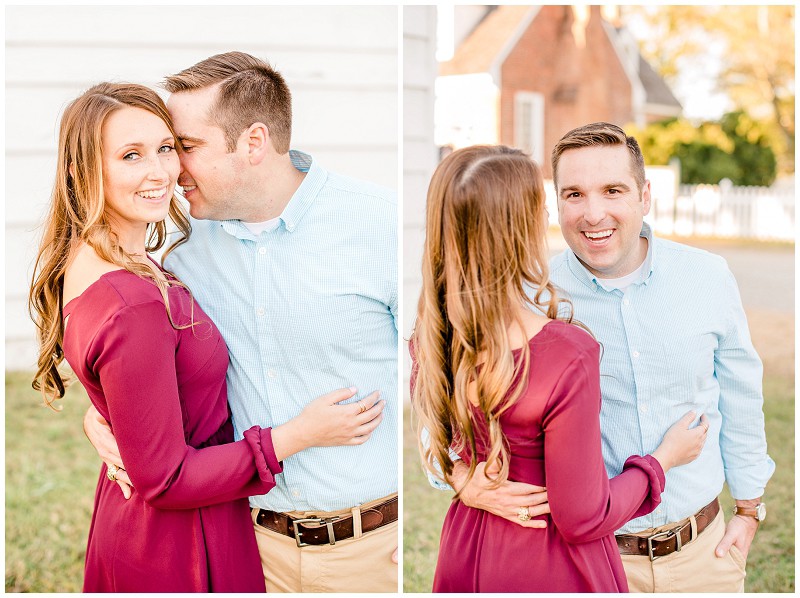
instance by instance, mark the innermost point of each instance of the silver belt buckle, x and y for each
(660, 536)
(318, 520)
(666, 535)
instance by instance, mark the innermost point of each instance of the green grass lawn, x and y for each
(51, 473)
(770, 566)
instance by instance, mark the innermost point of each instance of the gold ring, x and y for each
(362, 407)
(523, 514)
(112, 472)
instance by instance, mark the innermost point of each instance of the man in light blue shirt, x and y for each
(297, 267)
(674, 338)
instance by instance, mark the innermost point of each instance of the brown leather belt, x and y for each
(327, 530)
(670, 540)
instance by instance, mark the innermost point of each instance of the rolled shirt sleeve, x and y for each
(738, 369)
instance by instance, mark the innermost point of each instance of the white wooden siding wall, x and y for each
(340, 63)
(420, 155)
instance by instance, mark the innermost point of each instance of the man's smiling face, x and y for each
(601, 208)
(210, 174)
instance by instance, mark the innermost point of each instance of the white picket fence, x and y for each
(762, 213)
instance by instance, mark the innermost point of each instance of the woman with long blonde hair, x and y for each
(152, 363)
(501, 375)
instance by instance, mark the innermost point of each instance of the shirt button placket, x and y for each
(635, 355)
(259, 296)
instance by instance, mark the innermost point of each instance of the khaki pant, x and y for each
(359, 564)
(695, 568)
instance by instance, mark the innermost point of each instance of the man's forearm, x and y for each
(750, 503)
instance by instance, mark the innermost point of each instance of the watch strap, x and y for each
(745, 512)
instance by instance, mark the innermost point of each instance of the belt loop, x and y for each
(356, 511)
(693, 522)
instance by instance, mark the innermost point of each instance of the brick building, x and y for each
(524, 75)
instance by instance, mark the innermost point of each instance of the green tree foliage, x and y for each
(756, 47)
(736, 148)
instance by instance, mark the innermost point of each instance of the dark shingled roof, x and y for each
(654, 86)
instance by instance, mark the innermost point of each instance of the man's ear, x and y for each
(646, 198)
(258, 142)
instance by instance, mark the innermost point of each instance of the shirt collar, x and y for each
(299, 203)
(307, 191)
(590, 280)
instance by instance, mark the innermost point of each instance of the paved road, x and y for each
(765, 273)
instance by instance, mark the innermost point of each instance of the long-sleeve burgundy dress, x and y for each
(187, 527)
(553, 433)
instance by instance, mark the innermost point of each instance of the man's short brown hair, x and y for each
(250, 91)
(600, 134)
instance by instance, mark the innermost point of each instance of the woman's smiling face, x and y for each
(140, 168)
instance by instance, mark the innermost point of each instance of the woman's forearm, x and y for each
(288, 439)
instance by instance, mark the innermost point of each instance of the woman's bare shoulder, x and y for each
(534, 321)
(84, 269)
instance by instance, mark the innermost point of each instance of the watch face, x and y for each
(761, 512)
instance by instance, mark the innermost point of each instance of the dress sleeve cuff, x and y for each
(267, 464)
(650, 466)
(273, 464)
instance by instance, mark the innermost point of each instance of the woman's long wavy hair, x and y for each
(78, 214)
(485, 243)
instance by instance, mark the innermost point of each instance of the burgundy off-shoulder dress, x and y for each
(553, 433)
(187, 526)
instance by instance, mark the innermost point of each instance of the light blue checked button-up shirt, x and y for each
(676, 341)
(306, 308)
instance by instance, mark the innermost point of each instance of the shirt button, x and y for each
(295, 493)
(643, 408)
(272, 373)
(636, 353)
(260, 311)
(626, 302)
(262, 251)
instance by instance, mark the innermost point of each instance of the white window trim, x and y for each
(536, 134)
